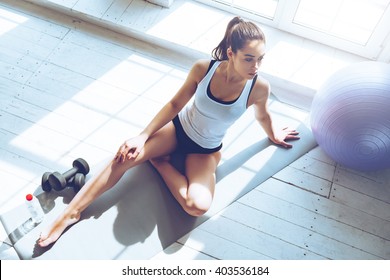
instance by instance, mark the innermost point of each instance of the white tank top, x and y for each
(207, 119)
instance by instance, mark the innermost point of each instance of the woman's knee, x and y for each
(195, 210)
(199, 199)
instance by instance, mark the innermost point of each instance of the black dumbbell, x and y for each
(77, 182)
(59, 181)
(45, 182)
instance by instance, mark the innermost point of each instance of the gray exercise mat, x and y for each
(138, 218)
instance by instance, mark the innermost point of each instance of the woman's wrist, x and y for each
(144, 134)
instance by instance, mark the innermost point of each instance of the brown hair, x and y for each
(238, 32)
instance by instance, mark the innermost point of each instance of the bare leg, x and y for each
(195, 190)
(176, 182)
(161, 143)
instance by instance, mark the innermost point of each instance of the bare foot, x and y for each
(57, 228)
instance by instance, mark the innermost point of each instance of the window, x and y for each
(356, 26)
(336, 17)
(263, 8)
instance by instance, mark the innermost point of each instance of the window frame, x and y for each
(374, 49)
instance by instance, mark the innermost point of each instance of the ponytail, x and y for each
(237, 33)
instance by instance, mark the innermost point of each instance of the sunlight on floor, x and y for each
(296, 63)
(187, 25)
(9, 21)
(108, 103)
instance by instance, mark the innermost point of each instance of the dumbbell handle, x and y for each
(47, 184)
(58, 181)
(70, 173)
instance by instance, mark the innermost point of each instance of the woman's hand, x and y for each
(130, 148)
(285, 135)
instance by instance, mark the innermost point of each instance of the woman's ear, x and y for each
(229, 52)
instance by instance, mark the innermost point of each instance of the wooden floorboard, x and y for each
(317, 223)
(221, 246)
(375, 184)
(306, 240)
(328, 208)
(234, 225)
(362, 202)
(68, 80)
(304, 180)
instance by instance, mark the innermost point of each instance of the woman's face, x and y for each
(248, 59)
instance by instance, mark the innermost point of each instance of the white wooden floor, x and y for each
(64, 88)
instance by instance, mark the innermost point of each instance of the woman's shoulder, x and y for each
(202, 64)
(260, 91)
(262, 86)
(199, 69)
(261, 83)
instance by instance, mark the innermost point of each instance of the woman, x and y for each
(223, 90)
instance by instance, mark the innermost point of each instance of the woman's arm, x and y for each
(259, 100)
(132, 147)
(176, 104)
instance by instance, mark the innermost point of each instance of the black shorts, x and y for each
(186, 145)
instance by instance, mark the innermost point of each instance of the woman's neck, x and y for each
(230, 74)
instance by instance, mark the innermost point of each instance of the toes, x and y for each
(43, 242)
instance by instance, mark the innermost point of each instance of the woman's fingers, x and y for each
(286, 145)
(126, 152)
(132, 153)
(291, 134)
(122, 152)
(290, 131)
(287, 135)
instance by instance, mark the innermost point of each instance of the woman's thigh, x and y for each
(161, 143)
